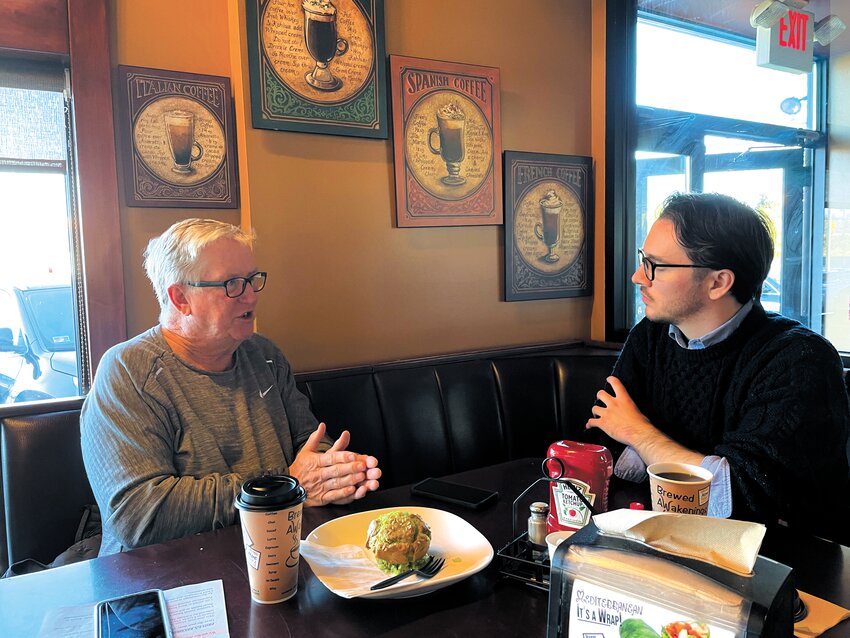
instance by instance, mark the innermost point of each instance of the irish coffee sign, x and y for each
(177, 133)
(447, 143)
(318, 66)
(548, 226)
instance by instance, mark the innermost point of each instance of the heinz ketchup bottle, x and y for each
(589, 468)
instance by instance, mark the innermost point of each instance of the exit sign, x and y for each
(787, 45)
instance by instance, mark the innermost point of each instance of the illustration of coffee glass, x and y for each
(450, 127)
(180, 132)
(550, 230)
(270, 510)
(679, 488)
(322, 42)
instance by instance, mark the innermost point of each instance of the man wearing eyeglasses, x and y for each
(179, 416)
(709, 378)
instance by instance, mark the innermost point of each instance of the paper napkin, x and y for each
(344, 569)
(731, 544)
(822, 615)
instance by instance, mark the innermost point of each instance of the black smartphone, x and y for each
(140, 615)
(455, 493)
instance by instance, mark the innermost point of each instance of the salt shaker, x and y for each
(537, 523)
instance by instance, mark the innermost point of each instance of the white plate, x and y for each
(465, 549)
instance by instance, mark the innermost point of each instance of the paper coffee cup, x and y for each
(270, 511)
(554, 539)
(679, 488)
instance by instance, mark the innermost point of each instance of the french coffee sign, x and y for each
(788, 45)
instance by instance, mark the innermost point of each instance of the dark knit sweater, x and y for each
(770, 399)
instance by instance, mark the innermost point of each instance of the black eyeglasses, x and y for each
(649, 266)
(235, 286)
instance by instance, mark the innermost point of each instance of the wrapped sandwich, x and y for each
(399, 541)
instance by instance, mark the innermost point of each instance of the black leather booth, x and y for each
(447, 414)
(44, 484)
(421, 418)
(425, 417)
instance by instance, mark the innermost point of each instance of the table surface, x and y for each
(485, 604)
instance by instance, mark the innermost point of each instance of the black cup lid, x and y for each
(270, 492)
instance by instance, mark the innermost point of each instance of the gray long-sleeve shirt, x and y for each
(167, 446)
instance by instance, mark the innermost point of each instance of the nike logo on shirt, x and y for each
(263, 394)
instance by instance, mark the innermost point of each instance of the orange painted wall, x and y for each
(345, 285)
(191, 36)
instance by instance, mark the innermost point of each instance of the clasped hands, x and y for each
(336, 475)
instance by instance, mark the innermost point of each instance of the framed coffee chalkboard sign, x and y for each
(318, 66)
(177, 135)
(447, 143)
(548, 226)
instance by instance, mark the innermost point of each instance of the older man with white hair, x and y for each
(180, 415)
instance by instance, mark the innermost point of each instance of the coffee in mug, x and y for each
(679, 488)
(270, 511)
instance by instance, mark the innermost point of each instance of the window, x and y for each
(74, 36)
(39, 271)
(690, 110)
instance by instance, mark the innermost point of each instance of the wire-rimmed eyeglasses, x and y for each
(649, 266)
(235, 286)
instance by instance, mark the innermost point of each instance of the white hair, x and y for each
(172, 258)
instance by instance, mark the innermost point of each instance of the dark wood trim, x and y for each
(620, 142)
(31, 408)
(34, 28)
(565, 348)
(103, 263)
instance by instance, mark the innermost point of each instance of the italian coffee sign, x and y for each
(177, 133)
(318, 66)
(447, 143)
(548, 226)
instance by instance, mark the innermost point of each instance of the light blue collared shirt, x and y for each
(715, 336)
(631, 467)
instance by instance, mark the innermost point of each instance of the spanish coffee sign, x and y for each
(177, 133)
(447, 143)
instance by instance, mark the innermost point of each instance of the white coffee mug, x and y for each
(554, 539)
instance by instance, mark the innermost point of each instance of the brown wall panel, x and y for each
(34, 25)
(92, 111)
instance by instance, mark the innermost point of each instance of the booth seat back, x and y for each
(420, 418)
(44, 482)
(437, 417)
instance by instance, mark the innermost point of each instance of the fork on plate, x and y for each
(428, 570)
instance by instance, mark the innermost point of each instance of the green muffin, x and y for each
(399, 541)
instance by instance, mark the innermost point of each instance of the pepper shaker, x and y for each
(537, 523)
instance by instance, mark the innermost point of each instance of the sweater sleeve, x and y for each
(128, 450)
(787, 447)
(631, 370)
(302, 422)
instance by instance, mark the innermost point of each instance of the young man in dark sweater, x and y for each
(709, 378)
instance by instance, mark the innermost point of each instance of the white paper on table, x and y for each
(198, 611)
(195, 611)
(345, 569)
(68, 622)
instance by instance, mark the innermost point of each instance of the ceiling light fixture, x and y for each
(768, 13)
(828, 29)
